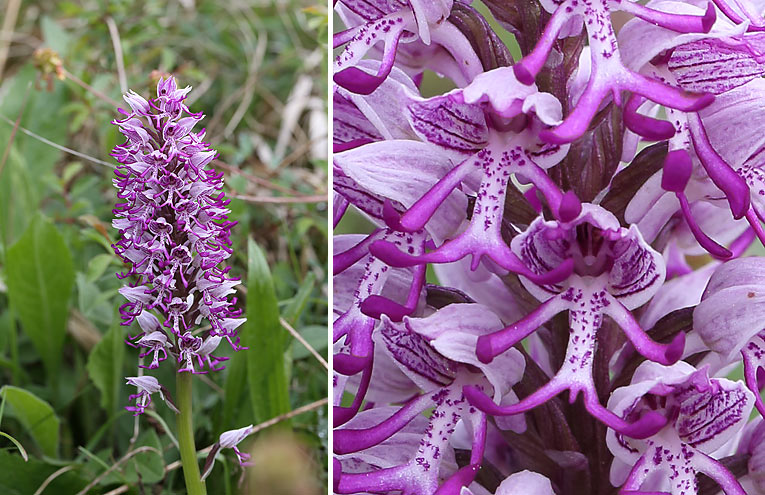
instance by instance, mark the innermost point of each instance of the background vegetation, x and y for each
(259, 74)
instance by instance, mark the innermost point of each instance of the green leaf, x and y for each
(297, 304)
(266, 339)
(149, 465)
(18, 196)
(315, 335)
(105, 367)
(25, 478)
(236, 382)
(40, 277)
(35, 415)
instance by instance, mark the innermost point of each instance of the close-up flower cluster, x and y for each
(547, 218)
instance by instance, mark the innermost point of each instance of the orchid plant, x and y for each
(174, 237)
(573, 219)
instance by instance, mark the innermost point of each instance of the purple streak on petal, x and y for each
(565, 206)
(491, 345)
(729, 12)
(527, 69)
(358, 81)
(463, 477)
(666, 95)
(754, 222)
(349, 145)
(358, 329)
(675, 22)
(742, 242)
(483, 402)
(570, 207)
(711, 246)
(346, 441)
(380, 481)
(376, 305)
(480, 430)
(343, 37)
(577, 122)
(337, 470)
(724, 177)
(712, 468)
(460, 247)
(666, 354)
(648, 127)
(347, 364)
(753, 354)
(646, 426)
(678, 167)
(346, 259)
(341, 415)
(339, 207)
(531, 197)
(420, 212)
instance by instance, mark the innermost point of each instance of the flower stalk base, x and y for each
(194, 483)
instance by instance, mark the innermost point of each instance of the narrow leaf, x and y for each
(266, 339)
(17, 444)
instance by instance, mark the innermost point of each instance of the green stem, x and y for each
(194, 485)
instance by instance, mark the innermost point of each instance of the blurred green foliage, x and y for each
(259, 74)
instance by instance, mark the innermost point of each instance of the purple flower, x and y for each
(486, 288)
(438, 354)
(705, 413)
(147, 385)
(607, 73)
(174, 232)
(398, 26)
(228, 440)
(614, 271)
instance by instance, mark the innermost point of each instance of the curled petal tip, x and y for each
(710, 16)
(337, 472)
(550, 136)
(648, 425)
(375, 305)
(484, 350)
(463, 477)
(391, 217)
(570, 207)
(554, 276)
(478, 399)
(350, 365)
(703, 101)
(677, 171)
(675, 349)
(523, 74)
(357, 81)
(390, 254)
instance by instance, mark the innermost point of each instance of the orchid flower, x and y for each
(614, 271)
(393, 23)
(705, 413)
(608, 75)
(438, 354)
(147, 385)
(513, 257)
(496, 147)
